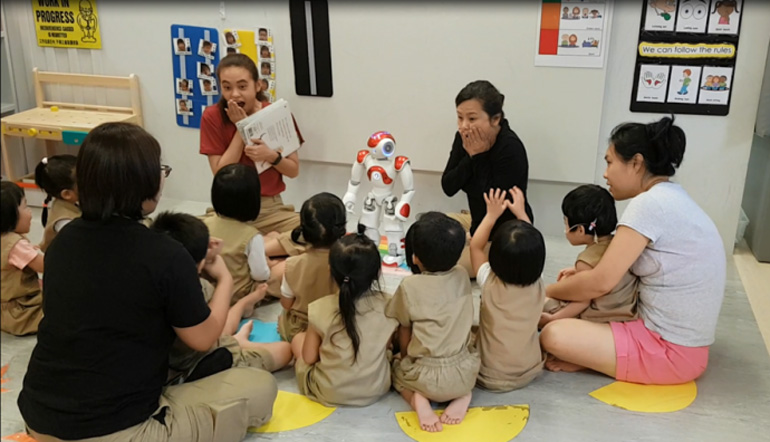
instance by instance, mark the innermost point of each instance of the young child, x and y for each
(590, 219)
(56, 176)
(235, 197)
(435, 313)
(512, 294)
(22, 298)
(193, 234)
(307, 277)
(342, 358)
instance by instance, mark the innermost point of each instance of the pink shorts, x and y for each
(643, 357)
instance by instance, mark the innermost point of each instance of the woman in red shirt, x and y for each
(242, 96)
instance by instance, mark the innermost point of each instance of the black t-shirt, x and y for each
(503, 166)
(113, 291)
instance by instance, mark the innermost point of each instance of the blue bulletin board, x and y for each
(195, 54)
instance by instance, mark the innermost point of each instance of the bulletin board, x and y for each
(195, 54)
(686, 56)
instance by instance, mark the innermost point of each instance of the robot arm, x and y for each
(355, 181)
(407, 180)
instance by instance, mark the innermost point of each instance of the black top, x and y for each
(113, 291)
(503, 166)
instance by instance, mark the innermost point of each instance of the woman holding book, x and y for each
(220, 142)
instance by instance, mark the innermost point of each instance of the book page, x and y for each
(273, 125)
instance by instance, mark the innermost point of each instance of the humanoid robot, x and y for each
(381, 170)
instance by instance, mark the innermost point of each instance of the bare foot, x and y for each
(244, 332)
(545, 318)
(554, 364)
(428, 420)
(455, 411)
(249, 301)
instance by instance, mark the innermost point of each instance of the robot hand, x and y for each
(402, 211)
(349, 200)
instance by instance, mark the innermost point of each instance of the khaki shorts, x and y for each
(290, 323)
(438, 379)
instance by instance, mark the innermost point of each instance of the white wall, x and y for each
(713, 170)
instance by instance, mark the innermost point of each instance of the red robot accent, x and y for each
(400, 161)
(405, 210)
(385, 178)
(379, 136)
(362, 156)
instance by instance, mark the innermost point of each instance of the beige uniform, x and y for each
(336, 379)
(309, 278)
(182, 359)
(616, 306)
(59, 210)
(508, 341)
(441, 364)
(235, 236)
(21, 298)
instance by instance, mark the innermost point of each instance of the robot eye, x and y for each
(388, 148)
(686, 11)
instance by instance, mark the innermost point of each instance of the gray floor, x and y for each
(733, 402)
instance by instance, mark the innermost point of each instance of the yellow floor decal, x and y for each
(292, 411)
(647, 398)
(490, 424)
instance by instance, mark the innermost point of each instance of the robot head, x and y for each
(382, 145)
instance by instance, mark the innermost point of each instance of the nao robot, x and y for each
(381, 170)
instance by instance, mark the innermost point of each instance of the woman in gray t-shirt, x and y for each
(674, 248)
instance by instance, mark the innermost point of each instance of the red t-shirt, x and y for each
(216, 134)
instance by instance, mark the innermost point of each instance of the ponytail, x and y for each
(55, 175)
(354, 261)
(660, 143)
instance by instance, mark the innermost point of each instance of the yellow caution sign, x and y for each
(67, 23)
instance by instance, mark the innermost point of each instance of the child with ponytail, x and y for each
(342, 357)
(306, 277)
(56, 176)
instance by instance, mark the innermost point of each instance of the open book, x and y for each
(275, 126)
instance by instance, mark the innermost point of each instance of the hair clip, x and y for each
(346, 279)
(592, 225)
(44, 160)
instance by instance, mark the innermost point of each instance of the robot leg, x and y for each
(370, 217)
(394, 231)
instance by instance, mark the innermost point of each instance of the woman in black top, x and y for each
(116, 294)
(486, 154)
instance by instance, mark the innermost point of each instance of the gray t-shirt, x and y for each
(682, 269)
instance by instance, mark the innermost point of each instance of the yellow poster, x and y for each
(67, 23)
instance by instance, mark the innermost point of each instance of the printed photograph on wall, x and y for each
(181, 46)
(653, 83)
(184, 86)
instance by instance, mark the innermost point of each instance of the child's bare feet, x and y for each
(249, 301)
(428, 420)
(455, 411)
(554, 364)
(244, 332)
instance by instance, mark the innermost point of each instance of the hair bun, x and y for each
(361, 229)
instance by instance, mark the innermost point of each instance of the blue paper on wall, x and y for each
(262, 331)
(195, 56)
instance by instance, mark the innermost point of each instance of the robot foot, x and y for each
(393, 261)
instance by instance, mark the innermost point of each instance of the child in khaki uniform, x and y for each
(512, 294)
(21, 307)
(56, 176)
(306, 277)
(194, 236)
(435, 313)
(343, 358)
(589, 219)
(236, 200)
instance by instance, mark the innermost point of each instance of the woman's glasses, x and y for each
(165, 169)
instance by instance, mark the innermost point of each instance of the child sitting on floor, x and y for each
(56, 176)
(342, 357)
(590, 219)
(235, 195)
(512, 294)
(307, 277)
(192, 233)
(435, 313)
(22, 298)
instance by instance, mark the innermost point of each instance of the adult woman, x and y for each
(116, 293)
(486, 154)
(672, 245)
(242, 96)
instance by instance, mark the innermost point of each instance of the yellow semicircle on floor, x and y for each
(293, 411)
(647, 398)
(490, 424)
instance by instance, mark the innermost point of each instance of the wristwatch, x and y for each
(277, 160)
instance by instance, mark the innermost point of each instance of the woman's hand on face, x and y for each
(234, 112)
(475, 142)
(259, 151)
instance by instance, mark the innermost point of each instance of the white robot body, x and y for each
(381, 171)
